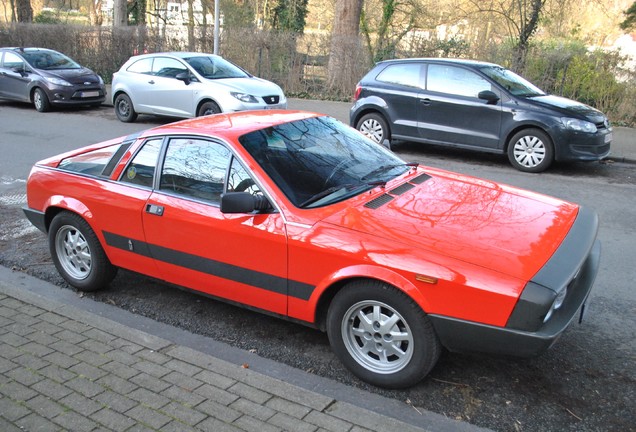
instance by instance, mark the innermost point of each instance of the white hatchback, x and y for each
(187, 84)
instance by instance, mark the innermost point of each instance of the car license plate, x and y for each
(608, 138)
(88, 94)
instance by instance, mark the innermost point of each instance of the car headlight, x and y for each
(244, 97)
(101, 81)
(579, 125)
(58, 81)
(556, 304)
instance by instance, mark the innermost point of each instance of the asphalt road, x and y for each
(586, 382)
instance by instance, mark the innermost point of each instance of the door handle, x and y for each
(151, 82)
(426, 101)
(154, 209)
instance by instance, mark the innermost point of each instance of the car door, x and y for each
(240, 257)
(14, 78)
(398, 85)
(166, 94)
(450, 111)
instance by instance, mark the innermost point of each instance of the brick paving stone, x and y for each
(116, 401)
(92, 358)
(250, 393)
(7, 365)
(61, 359)
(218, 411)
(149, 416)
(183, 381)
(291, 423)
(89, 371)
(175, 426)
(82, 404)
(85, 387)
(36, 423)
(120, 369)
(72, 421)
(70, 336)
(216, 394)
(21, 329)
(292, 408)
(183, 367)
(17, 391)
(51, 389)
(68, 348)
(10, 352)
(47, 327)
(12, 410)
(99, 335)
(150, 382)
(28, 360)
(117, 384)
(24, 376)
(251, 424)
(7, 312)
(149, 398)
(26, 320)
(42, 338)
(153, 356)
(215, 379)
(124, 358)
(13, 339)
(52, 317)
(183, 396)
(5, 426)
(150, 368)
(327, 422)
(212, 424)
(56, 373)
(44, 406)
(252, 409)
(96, 346)
(112, 419)
(75, 326)
(125, 346)
(183, 413)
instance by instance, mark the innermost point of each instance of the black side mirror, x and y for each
(489, 96)
(243, 202)
(21, 70)
(185, 77)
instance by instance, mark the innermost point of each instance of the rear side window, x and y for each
(403, 74)
(143, 66)
(91, 163)
(141, 169)
(455, 80)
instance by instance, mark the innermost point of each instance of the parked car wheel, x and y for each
(77, 253)
(531, 150)
(374, 126)
(208, 108)
(41, 100)
(381, 335)
(124, 109)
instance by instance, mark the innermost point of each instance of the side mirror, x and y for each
(489, 96)
(243, 202)
(185, 77)
(21, 70)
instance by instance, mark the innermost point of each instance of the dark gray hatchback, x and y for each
(45, 77)
(477, 105)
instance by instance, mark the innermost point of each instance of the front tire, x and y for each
(375, 127)
(531, 150)
(124, 109)
(381, 335)
(208, 108)
(77, 253)
(41, 100)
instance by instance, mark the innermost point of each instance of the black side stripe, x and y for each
(223, 270)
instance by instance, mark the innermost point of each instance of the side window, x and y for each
(141, 169)
(455, 80)
(195, 168)
(407, 74)
(143, 66)
(167, 67)
(240, 181)
(12, 61)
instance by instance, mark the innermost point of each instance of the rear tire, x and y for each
(381, 334)
(124, 109)
(41, 100)
(375, 127)
(78, 254)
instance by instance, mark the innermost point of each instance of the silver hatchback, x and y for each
(186, 85)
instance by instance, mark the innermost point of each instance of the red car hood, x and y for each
(502, 228)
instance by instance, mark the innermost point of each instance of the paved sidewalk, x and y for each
(68, 363)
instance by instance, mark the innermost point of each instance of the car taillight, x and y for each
(356, 95)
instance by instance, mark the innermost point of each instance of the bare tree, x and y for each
(120, 13)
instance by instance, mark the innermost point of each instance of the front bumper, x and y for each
(573, 266)
(582, 146)
(59, 95)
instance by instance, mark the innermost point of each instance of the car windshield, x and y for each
(214, 67)
(320, 161)
(512, 82)
(49, 60)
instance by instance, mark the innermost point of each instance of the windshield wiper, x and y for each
(386, 168)
(312, 199)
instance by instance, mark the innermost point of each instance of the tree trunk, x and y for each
(345, 44)
(120, 13)
(24, 11)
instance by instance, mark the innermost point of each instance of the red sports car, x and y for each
(300, 216)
